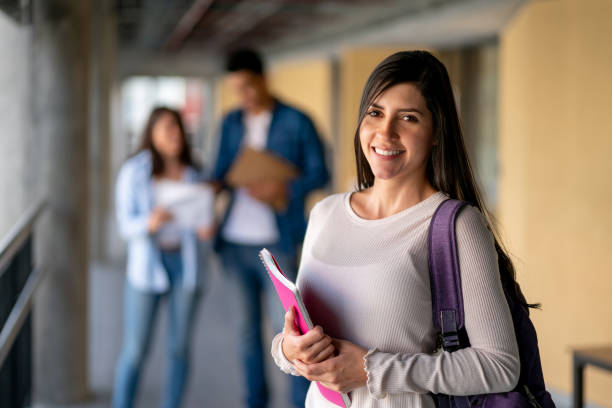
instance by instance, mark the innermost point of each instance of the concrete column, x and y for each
(60, 105)
(102, 80)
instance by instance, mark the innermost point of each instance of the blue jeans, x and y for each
(256, 292)
(140, 312)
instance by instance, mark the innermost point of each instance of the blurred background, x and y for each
(78, 79)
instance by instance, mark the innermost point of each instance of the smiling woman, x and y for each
(376, 338)
(396, 135)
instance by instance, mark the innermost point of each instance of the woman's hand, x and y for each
(343, 372)
(312, 347)
(206, 233)
(159, 216)
(217, 186)
(269, 191)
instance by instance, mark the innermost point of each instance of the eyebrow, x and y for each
(401, 110)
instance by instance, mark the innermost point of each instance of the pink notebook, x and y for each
(290, 296)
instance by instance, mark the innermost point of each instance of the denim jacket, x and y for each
(292, 136)
(134, 202)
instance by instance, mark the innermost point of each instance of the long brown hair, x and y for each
(147, 140)
(448, 168)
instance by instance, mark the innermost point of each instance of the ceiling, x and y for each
(18, 10)
(197, 32)
(221, 25)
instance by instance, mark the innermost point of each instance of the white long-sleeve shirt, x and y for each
(367, 281)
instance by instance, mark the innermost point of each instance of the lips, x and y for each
(387, 152)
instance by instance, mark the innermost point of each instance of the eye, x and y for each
(373, 113)
(410, 118)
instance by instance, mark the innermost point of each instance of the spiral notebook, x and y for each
(290, 296)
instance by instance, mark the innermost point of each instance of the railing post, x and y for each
(18, 281)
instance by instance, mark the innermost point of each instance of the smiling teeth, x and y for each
(387, 152)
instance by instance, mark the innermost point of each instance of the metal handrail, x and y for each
(18, 314)
(14, 239)
(9, 246)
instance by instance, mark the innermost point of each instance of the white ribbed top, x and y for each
(367, 281)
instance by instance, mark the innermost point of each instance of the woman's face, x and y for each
(396, 133)
(166, 136)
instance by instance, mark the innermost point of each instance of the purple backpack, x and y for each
(448, 319)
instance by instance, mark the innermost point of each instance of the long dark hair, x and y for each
(147, 140)
(448, 167)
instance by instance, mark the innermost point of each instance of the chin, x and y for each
(384, 175)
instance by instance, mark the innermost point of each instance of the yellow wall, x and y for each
(555, 187)
(307, 85)
(225, 99)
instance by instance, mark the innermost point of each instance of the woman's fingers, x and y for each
(323, 354)
(304, 341)
(343, 372)
(290, 327)
(311, 354)
(326, 372)
(312, 347)
(322, 371)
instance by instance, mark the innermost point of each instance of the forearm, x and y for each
(468, 371)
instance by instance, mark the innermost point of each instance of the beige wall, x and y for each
(306, 84)
(555, 189)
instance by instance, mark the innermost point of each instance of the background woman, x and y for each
(162, 261)
(364, 270)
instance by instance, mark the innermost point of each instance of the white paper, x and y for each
(191, 204)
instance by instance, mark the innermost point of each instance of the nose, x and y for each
(386, 129)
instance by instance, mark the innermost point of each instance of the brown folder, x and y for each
(257, 165)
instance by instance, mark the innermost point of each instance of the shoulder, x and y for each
(232, 116)
(471, 225)
(139, 163)
(291, 112)
(328, 205)
(471, 217)
(134, 175)
(323, 215)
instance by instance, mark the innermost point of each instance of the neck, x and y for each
(389, 197)
(267, 103)
(172, 167)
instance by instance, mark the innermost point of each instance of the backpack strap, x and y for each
(445, 282)
(444, 275)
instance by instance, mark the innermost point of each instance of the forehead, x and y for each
(165, 118)
(405, 94)
(242, 77)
